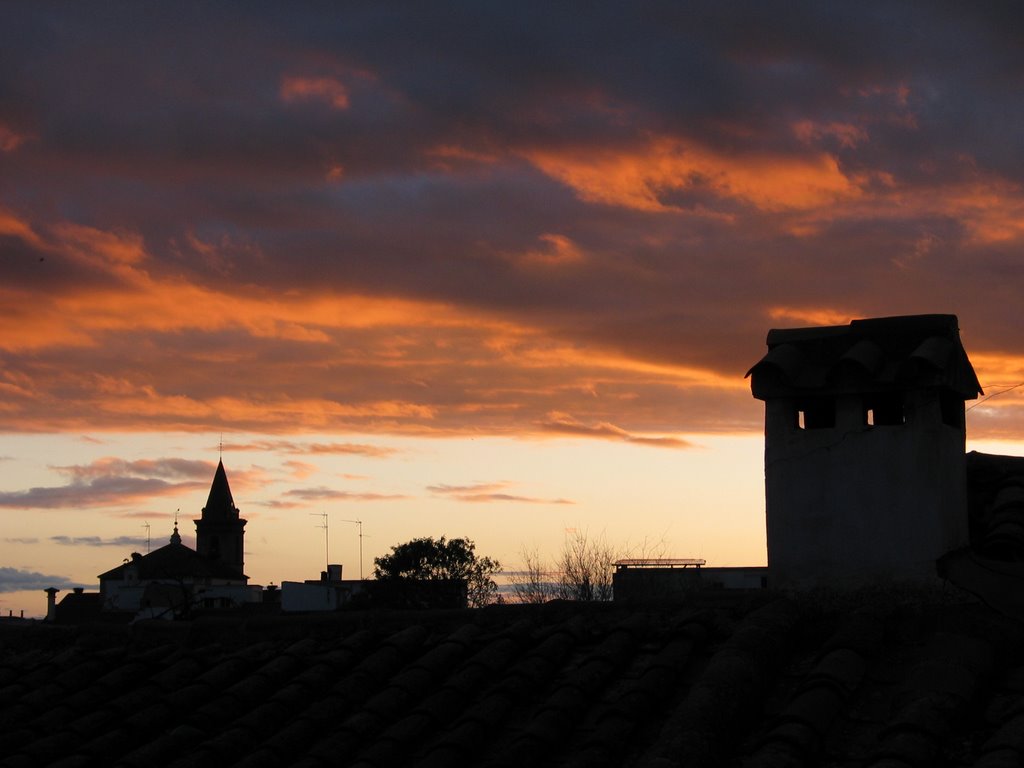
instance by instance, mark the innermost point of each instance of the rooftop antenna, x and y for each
(360, 524)
(146, 526)
(327, 539)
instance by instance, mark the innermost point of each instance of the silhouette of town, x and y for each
(885, 631)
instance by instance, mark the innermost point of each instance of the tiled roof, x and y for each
(995, 505)
(727, 680)
(992, 567)
(875, 355)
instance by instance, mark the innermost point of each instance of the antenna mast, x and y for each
(360, 524)
(148, 538)
(327, 538)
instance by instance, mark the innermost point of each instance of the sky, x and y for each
(484, 270)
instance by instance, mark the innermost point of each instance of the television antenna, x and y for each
(360, 524)
(148, 538)
(327, 539)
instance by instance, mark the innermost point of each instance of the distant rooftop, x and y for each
(659, 562)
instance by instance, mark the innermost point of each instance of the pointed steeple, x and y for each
(220, 532)
(220, 505)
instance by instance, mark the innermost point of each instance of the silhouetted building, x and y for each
(865, 477)
(220, 532)
(648, 579)
(328, 593)
(78, 607)
(174, 579)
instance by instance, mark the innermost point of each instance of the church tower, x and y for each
(220, 532)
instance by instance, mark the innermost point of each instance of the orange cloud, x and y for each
(848, 135)
(117, 252)
(143, 301)
(485, 493)
(642, 178)
(288, 446)
(811, 316)
(276, 412)
(563, 423)
(449, 157)
(991, 210)
(120, 351)
(998, 371)
(13, 226)
(557, 250)
(326, 89)
(10, 139)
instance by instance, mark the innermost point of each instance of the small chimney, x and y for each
(79, 590)
(334, 572)
(51, 603)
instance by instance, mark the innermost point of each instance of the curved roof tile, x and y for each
(879, 354)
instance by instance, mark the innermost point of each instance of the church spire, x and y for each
(220, 505)
(220, 532)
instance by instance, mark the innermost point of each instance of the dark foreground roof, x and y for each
(874, 355)
(744, 680)
(995, 505)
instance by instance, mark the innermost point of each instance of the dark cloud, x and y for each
(159, 468)
(112, 481)
(616, 202)
(100, 492)
(17, 580)
(98, 541)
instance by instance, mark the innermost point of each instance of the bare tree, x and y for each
(582, 571)
(585, 568)
(535, 582)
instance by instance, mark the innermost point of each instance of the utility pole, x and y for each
(360, 524)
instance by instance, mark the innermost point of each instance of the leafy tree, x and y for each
(428, 558)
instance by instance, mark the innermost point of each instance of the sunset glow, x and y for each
(492, 284)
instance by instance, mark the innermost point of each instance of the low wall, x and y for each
(660, 583)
